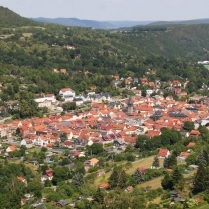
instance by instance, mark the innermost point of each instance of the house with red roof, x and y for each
(194, 133)
(68, 144)
(144, 80)
(11, 148)
(104, 186)
(183, 156)
(23, 180)
(163, 152)
(48, 175)
(191, 145)
(143, 170)
(153, 133)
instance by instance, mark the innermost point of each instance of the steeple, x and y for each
(130, 106)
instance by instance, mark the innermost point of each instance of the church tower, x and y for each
(130, 106)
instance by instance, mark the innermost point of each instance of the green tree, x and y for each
(99, 197)
(35, 188)
(79, 168)
(199, 180)
(130, 158)
(167, 182)
(138, 176)
(177, 179)
(141, 142)
(69, 106)
(191, 159)
(77, 180)
(63, 137)
(118, 178)
(202, 158)
(60, 174)
(156, 163)
(188, 126)
(170, 161)
(166, 162)
(95, 148)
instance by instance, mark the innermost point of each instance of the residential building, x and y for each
(67, 94)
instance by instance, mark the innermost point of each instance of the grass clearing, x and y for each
(144, 162)
(34, 149)
(204, 207)
(27, 34)
(6, 35)
(153, 184)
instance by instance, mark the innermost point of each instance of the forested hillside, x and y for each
(29, 55)
(10, 19)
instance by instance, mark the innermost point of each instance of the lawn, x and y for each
(144, 162)
(203, 207)
(34, 149)
(154, 183)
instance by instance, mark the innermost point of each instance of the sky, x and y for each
(115, 10)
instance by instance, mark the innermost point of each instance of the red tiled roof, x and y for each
(163, 152)
(153, 133)
(191, 144)
(194, 132)
(104, 186)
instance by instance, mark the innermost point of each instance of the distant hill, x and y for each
(183, 22)
(91, 23)
(115, 24)
(127, 23)
(75, 22)
(9, 18)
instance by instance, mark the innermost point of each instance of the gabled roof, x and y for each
(191, 144)
(163, 152)
(194, 132)
(12, 148)
(153, 133)
(20, 178)
(94, 161)
(49, 172)
(184, 154)
(104, 186)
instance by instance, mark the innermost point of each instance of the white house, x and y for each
(46, 101)
(51, 97)
(43, 102)
(41, 141)
(67, 94)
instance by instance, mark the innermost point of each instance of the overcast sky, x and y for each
(140, 10)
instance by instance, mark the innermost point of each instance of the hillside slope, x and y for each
(9, 18)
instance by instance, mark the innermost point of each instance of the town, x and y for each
(109, 124)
